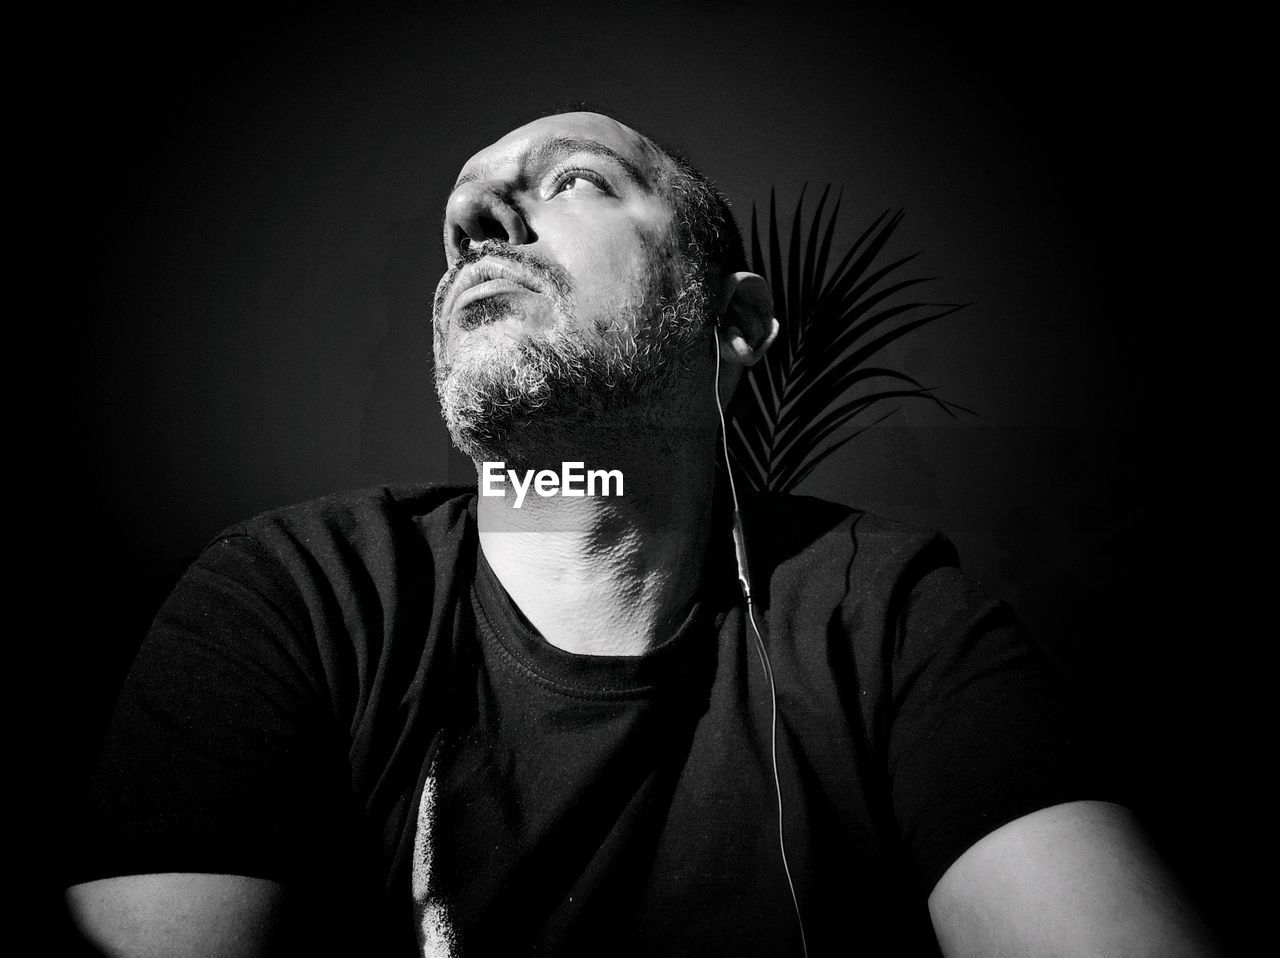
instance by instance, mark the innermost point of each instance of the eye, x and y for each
(572, 181)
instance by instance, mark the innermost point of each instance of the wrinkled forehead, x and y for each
(586, 127)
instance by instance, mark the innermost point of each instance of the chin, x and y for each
(491, 342)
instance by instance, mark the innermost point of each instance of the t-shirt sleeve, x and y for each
(981, 729)
(220, 754)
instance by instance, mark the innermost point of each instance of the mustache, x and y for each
(553, 274)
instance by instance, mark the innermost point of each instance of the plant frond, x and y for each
(813, 463)
(809, 428)
(813, 384)
(795, 302)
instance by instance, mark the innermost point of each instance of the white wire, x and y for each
(764, 660)
(724, 438)
(777, 784)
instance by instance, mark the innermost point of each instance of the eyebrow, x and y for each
(555, 146)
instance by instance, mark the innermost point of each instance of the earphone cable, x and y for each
(739, 543)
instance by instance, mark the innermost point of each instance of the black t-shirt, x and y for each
(341, 696)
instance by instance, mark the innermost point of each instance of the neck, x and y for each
(605, 574)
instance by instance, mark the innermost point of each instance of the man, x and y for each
(537, 722)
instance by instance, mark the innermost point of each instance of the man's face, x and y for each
(565, 292)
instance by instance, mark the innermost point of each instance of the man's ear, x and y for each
(746, 326)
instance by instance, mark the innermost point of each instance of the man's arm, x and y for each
(1073, 879)
(205, 916)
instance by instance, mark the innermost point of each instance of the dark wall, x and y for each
(239, 222)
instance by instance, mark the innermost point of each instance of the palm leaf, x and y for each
(817, 389)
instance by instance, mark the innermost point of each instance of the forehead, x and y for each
(587, 128)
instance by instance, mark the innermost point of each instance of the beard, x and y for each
(552, 394)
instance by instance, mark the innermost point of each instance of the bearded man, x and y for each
(425, 721)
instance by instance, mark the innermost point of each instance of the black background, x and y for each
(236, 236)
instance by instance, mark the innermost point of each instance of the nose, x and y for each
(477, 212)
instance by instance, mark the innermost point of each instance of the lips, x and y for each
(488, 277)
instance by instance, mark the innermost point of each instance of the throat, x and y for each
(599, 576)
(612, 573)
(604, 600)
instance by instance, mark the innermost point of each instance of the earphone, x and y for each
(744, 580)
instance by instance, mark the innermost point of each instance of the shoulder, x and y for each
(363, 513)
(894, 589)
(319, 588)
(371, 527)
(342, 565)
(806, 539)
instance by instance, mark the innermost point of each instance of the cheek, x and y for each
(611, 267)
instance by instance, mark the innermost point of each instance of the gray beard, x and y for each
(564, 397)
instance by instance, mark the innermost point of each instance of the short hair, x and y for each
(706, 230)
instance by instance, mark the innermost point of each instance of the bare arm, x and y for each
(1074, 879)
(208, 916)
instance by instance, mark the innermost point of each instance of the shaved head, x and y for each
(582, 264)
